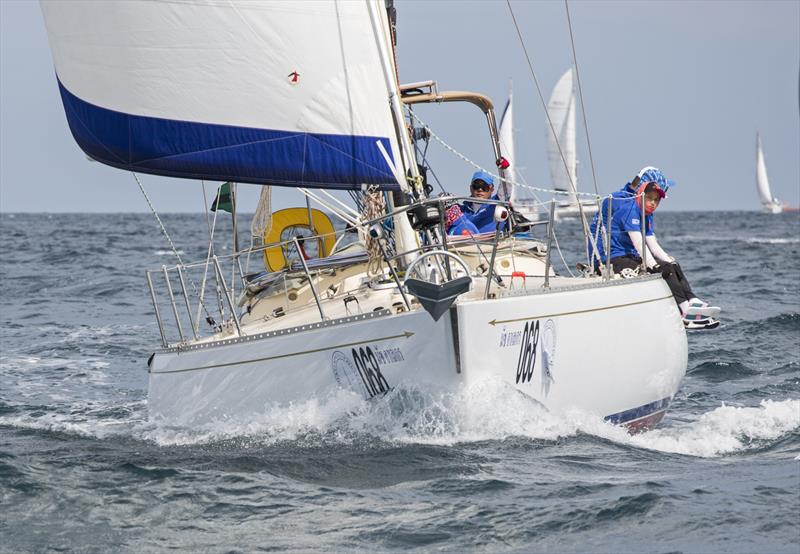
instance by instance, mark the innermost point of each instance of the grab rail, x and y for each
(179, 301)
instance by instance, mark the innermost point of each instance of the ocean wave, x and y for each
(718, 371)
(407, 416)
(782, 322)
(93, 419)
(726, 430)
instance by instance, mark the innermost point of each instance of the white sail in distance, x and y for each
(506, 136)
(561, 112)
(769, 203)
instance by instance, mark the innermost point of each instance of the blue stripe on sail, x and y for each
(225, 152)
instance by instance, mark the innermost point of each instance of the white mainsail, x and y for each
(283, 92)
(769, 203)
(506, 137)
(561, 111)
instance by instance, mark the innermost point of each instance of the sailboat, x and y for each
(506, 138)
(306, 95)
(561, 147)
(561, 155)
(769, 204)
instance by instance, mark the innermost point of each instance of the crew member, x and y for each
(481, 215)
(627, 245)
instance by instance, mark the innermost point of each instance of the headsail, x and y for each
(768, 202)
(284, 93)
(506, 137)
(561, 109)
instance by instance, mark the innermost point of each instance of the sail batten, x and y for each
(283, 93)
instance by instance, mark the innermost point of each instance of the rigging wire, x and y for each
(211, 228)
(476, 165)
(561, 255)
(160, 223)
(169, 239)
(425, 163)
(541, 97)
(580, 95)
(205, 208)
(584, 223)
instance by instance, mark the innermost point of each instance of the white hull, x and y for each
(561, 347)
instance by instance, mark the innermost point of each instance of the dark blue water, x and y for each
(81, 469)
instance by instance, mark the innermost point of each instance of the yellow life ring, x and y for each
(275, 257)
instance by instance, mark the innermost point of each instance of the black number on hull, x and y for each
(527, 352)
(370, 371)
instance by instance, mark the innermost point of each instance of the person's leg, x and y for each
(684, 283)
(629, 263)
(670, 276)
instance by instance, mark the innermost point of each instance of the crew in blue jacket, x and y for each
(481, 215)
(627, 243)
(646, 175)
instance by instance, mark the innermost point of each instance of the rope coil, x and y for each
(374, 207)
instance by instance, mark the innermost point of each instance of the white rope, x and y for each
(374, 207)
(478, 166)
(262, 219)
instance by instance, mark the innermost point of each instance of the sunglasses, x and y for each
(481, 186)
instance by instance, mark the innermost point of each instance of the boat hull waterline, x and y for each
(576, 348)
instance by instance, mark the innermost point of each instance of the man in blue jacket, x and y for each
(481, 215)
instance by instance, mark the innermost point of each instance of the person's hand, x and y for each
(655, 269)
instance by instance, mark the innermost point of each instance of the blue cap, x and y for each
(653, 174)
(482, 176)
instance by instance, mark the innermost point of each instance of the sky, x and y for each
(680, 85)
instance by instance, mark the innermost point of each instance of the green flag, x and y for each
(223, 199)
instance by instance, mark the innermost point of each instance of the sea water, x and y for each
(82, 469)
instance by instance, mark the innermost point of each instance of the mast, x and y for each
(405, 237)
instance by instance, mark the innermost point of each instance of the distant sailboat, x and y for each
(524, 201)
(561, 153)
(561, 109)
(506, 138)
(769, 204)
